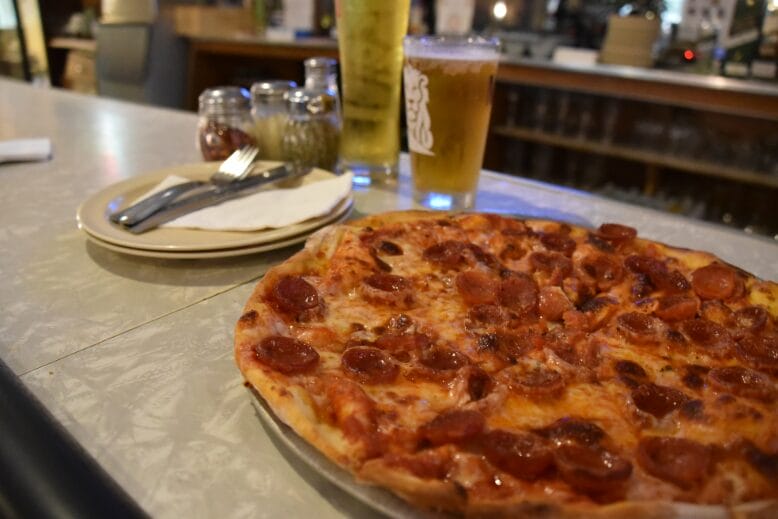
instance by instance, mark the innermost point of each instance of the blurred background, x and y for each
(669, 104)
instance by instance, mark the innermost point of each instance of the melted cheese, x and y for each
(401, 407)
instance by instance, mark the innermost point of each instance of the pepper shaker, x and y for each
(312, 132)
(321, 74)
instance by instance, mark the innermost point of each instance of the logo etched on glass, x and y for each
(417, 97)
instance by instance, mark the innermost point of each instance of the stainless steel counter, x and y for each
(134, 356)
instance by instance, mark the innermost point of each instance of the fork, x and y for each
(236, 167)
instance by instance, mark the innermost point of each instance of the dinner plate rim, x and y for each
(219, 253)
(92, 216)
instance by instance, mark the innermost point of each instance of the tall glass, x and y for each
(449, 82)
(370, 34)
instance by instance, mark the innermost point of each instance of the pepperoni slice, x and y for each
(657, 400)
(449, 254)
(645, 265)
(509, 345)
(630, 369)
(604, 269)
(406, 342)
(381, 264)
(673, 283)
(558, 242)
(387, 282)
(692, 410)
(639, 327)
(677, 460)
(477, 287)
(573, 430)
(426, 464)
(551, 263)
(766, 464)
(399, 322)
(693, 376)
(443, 359)
(715, 281)
(676, 307)
(641, 287)
(287, 355)
(751, 318)
(553, 303)
(369, 365)
(479, 384)
(616, 233)
(523, 455)
(599, 310)
(519, 292)
(714, 338)
(742, 382)
(563, 344)
(293, 294)
(631, 373)
(486, 314)
(658, 274)
(535, 380)
(484, 257)
(512, 251)
(598, 242)
(389, 248)
(596, 304)
(454, 426)
(759, 351)
(591, 469)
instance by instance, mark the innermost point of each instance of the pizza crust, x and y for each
(292, 404)
(296, 407)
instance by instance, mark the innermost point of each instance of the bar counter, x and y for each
(212, 58)
(133, 356)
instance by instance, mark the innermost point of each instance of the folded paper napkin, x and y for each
(25, 150)
(266, 209)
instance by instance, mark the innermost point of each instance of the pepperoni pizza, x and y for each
(482, 364)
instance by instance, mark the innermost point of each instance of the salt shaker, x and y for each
(313, 130)
(225, 122)
(268, 109)
(321, 74)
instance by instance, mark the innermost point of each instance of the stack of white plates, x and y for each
(178, 243)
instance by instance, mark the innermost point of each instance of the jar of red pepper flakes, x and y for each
(225, 121)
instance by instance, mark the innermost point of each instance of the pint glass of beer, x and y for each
(370, 42)
(449, 83)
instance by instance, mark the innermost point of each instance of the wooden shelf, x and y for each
(650, 158)
(82, 44)
(705, 93)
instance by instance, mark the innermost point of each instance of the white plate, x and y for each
(342, 213)
(93, 216)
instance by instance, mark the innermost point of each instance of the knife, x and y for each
(153, 203)
(198, 198)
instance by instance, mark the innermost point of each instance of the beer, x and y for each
(448, 92)
(370, 37)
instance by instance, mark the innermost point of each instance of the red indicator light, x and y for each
(688, 55)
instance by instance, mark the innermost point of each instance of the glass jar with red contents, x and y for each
(225, 122)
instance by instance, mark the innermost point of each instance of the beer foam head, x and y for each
(452, 48)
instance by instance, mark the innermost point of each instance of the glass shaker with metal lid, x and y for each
(268, 109)
(321, 74)
(225, 121)
(313, 130)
